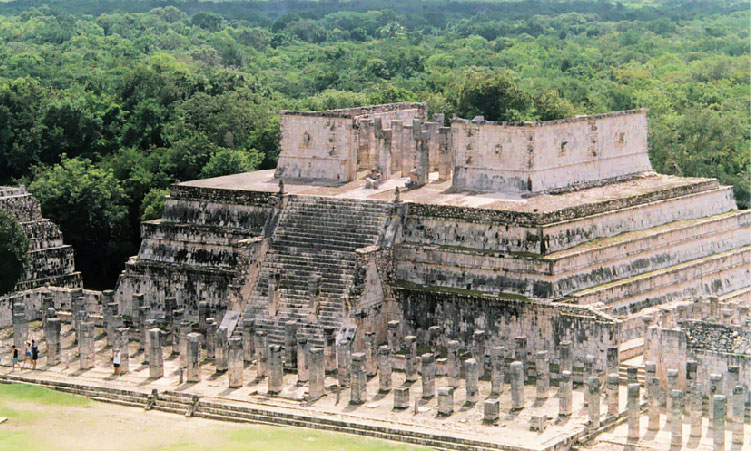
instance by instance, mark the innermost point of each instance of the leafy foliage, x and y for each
(13, 247)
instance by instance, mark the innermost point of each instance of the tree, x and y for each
(90, 207)
(496, 96)
(153, 204)
(225, 162)
(13, 247)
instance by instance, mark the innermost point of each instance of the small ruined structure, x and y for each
(51, 261)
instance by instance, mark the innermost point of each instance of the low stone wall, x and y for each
(33, 300)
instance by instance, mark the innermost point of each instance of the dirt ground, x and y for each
(40, 418)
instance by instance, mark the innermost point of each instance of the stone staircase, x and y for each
(313, 248)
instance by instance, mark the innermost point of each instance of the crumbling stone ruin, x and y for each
(535, 276)
(51, 259)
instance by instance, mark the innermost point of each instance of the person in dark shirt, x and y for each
(34, 354)
(14, 356)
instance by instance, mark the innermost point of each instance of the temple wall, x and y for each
(549, 156)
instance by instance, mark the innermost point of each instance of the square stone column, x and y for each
(276, 370)
(676, 424)
(520, 354)
(434, 340)
(112, 323)
(565, 394)
(177, 318)
(543, 374)
(410, 364)
(672, 378)
(733, 377)
(497, 366)
(384, 369)
(262, 355)
(612, 392)
(316, 374)
(235, 362)
(329, 350)
(211, 328)
(393, 336)
(653, 389)
(203, 315)
(156, 359)
(718, 421)
(401, 398)
(491, 411)
(611, 360)
(20, 325)
(143, 316)
(445, 401)
(471, 377)
(302, 360)
(343, 361)
(53, 338)
(739, 408)
(715, 388)
(359, 385)
(633, 411)
(221, 349)
(453, 362)
(691, 385)
(290, 344)
(593, 387)
(248, 334)
(650, 371)
(478, 351)
(632, 375)
(427, 371)
(49, 303)
(565, 356)
(148, 325)
(123, 342)
(86, 345)
(517, 385)
(696, 411)
(194, 357)
(371, 354)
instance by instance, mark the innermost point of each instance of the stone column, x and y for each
(497, 363)
(410, 368)
(203, 314)
(434, 334)
(343, 359)
(632, 375)
(565, 394)
(302, 361)
(76, 304)
(248, 334)
(393, 336)
(739, 407)
(317, 374)
(211, 328)
(446, 401)
(543, 381)
(49, 303)
(691, 386)
(123, 341)
(54, 343)
(718, 422)
(453, 370)
(653, 390)
(401, 397)
(86, 345)
(565, 356)
(478, 351)
(676, 425)
(632, 406)
(444, 153)
(593, 387)
(732, 380)
(517, 385)
(235, 362)
(384, 369)
(696, 411)
(276, 370)
(148, 325)
(194, 357)
(611, 360)
(221, 349)
(20, 325)
(329, 350)
(672, 378)
(371, 354)
(144, 314)
(290, 344)
(383, 149)
(491, 411)
(359, 388)
(177, 317)
(650, 371)
(262, 354)
(113, 322)
(589, 366)
(715, 388)
(427, 371)
(156, 362)
(612, 388)
(471, 376)
(520, 354)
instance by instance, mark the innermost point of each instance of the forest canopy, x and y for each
(103, 104)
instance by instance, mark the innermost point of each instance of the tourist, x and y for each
(26, 353)
(14, 357)
(34, 354)
(116, 361)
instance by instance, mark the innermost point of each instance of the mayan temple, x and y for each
(376, 215)
(51, 261)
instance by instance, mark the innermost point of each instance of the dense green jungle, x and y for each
(104, 104)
